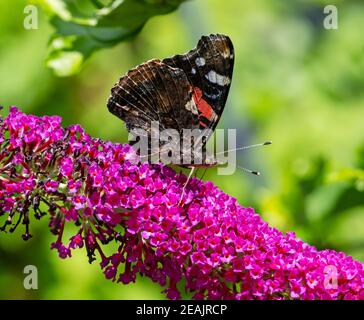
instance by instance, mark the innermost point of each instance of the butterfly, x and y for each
(186, 91)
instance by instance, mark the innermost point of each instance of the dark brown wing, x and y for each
(209, 68)
(154, 91)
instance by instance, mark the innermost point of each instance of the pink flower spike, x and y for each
(210, 246)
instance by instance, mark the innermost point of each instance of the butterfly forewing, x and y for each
(209, 68)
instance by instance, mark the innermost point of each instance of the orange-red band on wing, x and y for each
(203, 107)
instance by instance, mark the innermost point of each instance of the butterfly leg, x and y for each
(203, 173)
(196, 173)
(186, 183)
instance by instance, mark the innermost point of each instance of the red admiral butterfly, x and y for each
(187, 91)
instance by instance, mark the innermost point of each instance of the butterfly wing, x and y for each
(154, 91)
(209, 68)
(186, 91)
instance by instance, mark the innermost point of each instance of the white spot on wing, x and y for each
(200, 61)
(193, 70)
(191, 106)
(219, 79)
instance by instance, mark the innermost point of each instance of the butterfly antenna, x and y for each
(247, 147)
(186, 183)
(256, 173)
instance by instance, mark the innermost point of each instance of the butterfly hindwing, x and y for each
(154, 91)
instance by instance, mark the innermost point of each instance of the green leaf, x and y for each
(354, 176)
(85, 26)
(65, 63)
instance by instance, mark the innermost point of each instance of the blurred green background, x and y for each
(294, 83)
